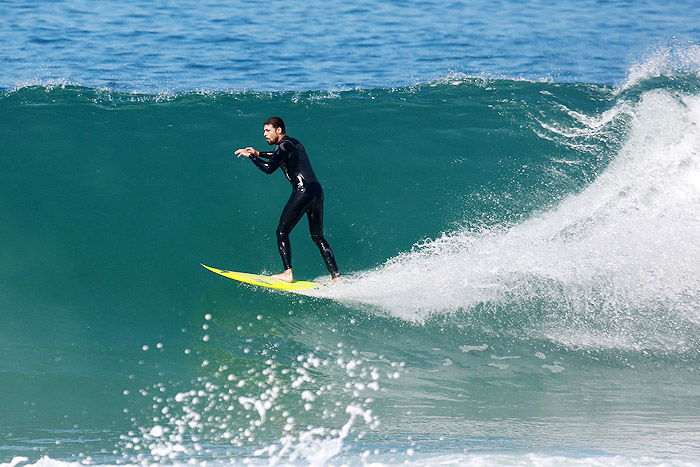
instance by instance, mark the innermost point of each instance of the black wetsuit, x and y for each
(306, 197)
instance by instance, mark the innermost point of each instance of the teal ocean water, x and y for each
(512, 192)
(521, 284)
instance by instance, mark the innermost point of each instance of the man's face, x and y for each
(272, 134)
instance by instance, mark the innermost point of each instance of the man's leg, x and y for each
(291, 214)
(315, 214)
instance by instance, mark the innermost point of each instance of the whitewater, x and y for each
(613, 255)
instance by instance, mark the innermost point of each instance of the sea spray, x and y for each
(301, 409)
(604, 261)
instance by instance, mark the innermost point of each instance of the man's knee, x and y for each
(318, 238)
(282, 230)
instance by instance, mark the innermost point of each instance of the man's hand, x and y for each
(246, 152)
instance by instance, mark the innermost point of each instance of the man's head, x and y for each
(274, 130)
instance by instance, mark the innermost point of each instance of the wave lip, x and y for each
(671, 62)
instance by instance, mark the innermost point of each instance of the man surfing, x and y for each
(306, 197)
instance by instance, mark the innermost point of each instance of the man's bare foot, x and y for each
(286, 276)
(334, 280)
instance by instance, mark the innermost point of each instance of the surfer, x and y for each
(306, 197)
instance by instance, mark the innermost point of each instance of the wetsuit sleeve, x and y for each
(278, 156)
(265, 155)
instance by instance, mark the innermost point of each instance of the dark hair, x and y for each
(276, 122)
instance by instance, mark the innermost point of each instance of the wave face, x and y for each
(521, 275)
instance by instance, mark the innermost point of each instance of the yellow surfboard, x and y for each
(267, 281)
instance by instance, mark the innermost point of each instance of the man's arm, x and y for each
(275, 157)
(275, 160)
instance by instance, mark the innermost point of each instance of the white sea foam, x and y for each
(628, 242)
(411, 459)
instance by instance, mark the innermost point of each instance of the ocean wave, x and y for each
(604, 260)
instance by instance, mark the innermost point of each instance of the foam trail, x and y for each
(629, 240)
